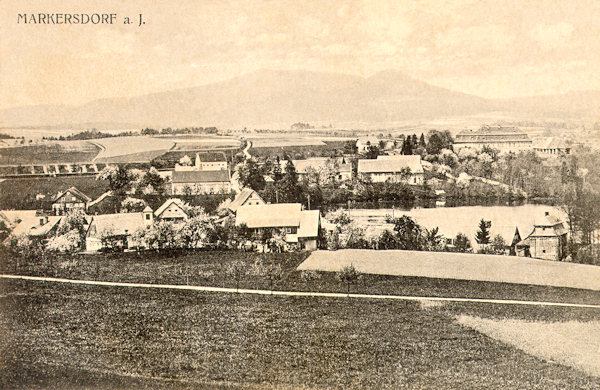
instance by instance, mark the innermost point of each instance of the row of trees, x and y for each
(406, 234)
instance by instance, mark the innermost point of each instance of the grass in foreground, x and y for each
(209, 268)
(121, 337)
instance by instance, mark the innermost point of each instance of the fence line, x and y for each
(297, 293)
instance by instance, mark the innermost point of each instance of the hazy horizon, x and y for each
(490, 49)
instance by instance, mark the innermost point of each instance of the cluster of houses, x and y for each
(297, 226)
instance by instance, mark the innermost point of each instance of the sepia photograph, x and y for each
(282, 194)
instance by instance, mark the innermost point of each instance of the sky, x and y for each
(494, 49)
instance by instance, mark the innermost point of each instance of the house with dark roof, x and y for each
(200, 182)
(70, 199)
(407, 169)
(547, 241)
(296, 225)
(505, 139)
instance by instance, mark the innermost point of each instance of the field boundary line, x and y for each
(296, 293)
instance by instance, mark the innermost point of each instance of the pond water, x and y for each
(462, 219)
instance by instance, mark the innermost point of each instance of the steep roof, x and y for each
(200, 176)
(269, 215)
(309, 223)
(118, 224)
(30, 225)
(169, 202)
(385, 164)
(241, 198)
(75, 192)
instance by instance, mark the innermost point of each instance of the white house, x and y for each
(200, 182)
(210, 164)
(120, 226)
(70, 199)
(406, 169)
(296, 225)
(247, 197)
(173, 210)
(342, 166)
(547, 241)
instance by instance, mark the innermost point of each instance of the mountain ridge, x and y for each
(276, 96)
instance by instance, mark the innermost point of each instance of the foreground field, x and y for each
(60, 336)
(209, 268)
(572, 343)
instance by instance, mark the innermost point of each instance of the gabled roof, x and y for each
(173, 201)
(269, 215)
(220, 176)
(75, 192)
(241, 198)
(30, 225)
(384, 164)
(118, 224)
(309, 223)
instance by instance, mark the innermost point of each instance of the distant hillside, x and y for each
(286, 97)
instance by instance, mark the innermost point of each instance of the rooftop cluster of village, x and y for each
(288, 200)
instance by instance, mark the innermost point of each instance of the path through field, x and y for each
(487, 268)
(297, 293)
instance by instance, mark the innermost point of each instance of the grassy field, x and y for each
(74, 336)
(323, 149)
(58, 152)
(128, 149)
(20, 193)
(208, 268)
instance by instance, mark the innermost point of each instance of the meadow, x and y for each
(21, 193)
(101, 337)
(49, 153)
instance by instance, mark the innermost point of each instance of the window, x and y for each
(147, 216)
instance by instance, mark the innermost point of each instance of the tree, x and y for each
(194, 232)
(433, 240)
(250, 175)
(498, 244)
(435, 144)
(132, 205)
(422, 141)
(407, 147)
(408, 232)
(349, 275)
(276, 173)
(350, 147)
(236, 270)
(185, 161)
(372, 152)
(118, 178)
(152, 178)
(483, 234)
(462, 243)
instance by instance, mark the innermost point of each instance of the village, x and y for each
(280, 203)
